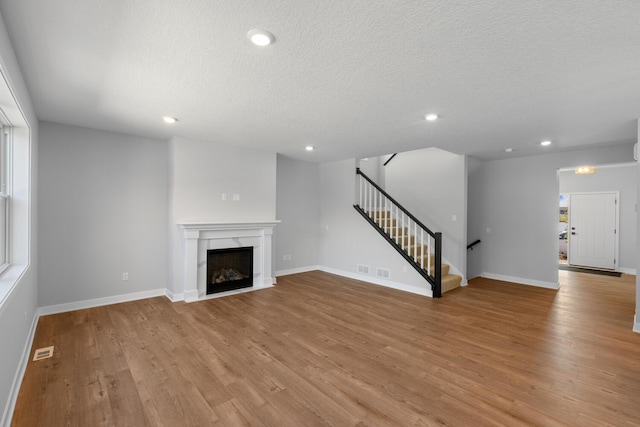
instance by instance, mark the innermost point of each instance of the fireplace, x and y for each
(229, 269)
(200, 237)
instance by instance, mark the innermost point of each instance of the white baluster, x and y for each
(415, 241)
(421, 248)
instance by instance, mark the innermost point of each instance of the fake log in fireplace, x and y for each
(229, 269)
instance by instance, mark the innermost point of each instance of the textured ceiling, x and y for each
(353, 78)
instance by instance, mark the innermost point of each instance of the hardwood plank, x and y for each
(319, 349)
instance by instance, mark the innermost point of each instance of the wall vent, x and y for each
(363, 269)
(43, 353)
(383, 273)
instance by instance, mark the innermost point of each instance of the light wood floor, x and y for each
(323, 350)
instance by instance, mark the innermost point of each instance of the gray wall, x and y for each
(518, 200)
(298, 209)
(432, 185)
(475, 205)
(17, 311)
(103, 212)
(200, 172)
(623, 179)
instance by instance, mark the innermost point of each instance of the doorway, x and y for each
(563, 229)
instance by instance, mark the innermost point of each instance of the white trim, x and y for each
(521, 280)
(636, 324)
(199, 226)
(79, 305)
(9, 281)
(627, 270)
(381, 282)
(173, 297)
(17, 379)
(605, 166)
(297, 270)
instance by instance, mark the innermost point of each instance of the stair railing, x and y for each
(420, 246)
(471, 245)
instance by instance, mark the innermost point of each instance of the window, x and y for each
(4, 195)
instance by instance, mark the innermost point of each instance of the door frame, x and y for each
(616, 238)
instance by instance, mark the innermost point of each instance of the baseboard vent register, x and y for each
(383, 273)
(43, 353)
(363, 269)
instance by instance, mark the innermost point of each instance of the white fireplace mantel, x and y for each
(201, 236)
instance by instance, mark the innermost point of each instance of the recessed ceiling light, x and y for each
(545, 143)
(309, 148)
(260, 37)
(431, 117)
(168, 119)
(508, 150)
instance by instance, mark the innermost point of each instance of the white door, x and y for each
(592, 229)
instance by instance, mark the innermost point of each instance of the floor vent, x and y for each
(43, 353)
(363, 269)
(383, 273)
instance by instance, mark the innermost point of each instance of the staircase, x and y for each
(421, 247)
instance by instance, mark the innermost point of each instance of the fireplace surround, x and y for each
(200, 237)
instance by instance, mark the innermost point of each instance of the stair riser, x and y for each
(405, 240)
(386, 223)
(396, 231)
(379, 214)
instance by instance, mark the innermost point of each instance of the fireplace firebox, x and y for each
(229, 269)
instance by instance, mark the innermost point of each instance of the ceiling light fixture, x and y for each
(260, 37)
(508, 150)
(585, 170)
(169, 119)
(309, 148)
(545, 143)
(431, 117)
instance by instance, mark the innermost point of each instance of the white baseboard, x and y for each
(297, 270)
(521, 281)
(636, 324)
(627, 271)
(17, 379)
(79, 305)
(173, 297)
(381, 282)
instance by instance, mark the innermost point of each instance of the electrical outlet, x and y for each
(224, 196)
(236, 197)
(125, 276)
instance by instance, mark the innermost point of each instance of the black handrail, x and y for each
(402, 208)
(389, 159)
(471, 245)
